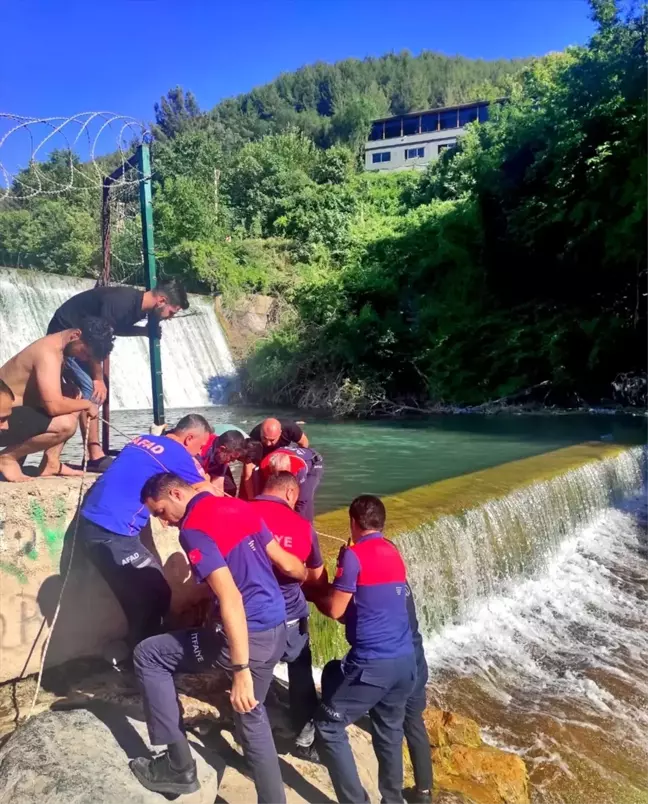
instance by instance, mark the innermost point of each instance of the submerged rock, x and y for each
(82, 756)
(464, 764)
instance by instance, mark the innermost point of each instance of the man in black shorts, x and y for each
(45, 409)
(7, 398)
(122, 307)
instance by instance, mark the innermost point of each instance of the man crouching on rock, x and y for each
(45, 409)
(231, 549)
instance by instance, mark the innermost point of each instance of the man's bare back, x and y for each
(20, 372)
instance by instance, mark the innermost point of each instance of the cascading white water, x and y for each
(475, 554)
(534, 610)
(196, 362)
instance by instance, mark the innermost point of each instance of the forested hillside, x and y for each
(518, 258)
(333, 103)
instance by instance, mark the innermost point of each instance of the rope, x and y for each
(328, 536)
(65, 579)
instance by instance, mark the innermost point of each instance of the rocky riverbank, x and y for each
(87, 724)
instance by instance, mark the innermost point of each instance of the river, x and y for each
(552, 661)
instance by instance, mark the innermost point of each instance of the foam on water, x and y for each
(555, 666)
(478, 553)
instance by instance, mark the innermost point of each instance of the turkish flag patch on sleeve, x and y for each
(195, 556)
(339, 572)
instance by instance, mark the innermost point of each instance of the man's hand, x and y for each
(93, 411)
(242, 693)
(100, 392)
(69, 389)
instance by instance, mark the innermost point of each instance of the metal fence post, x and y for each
(146, 207)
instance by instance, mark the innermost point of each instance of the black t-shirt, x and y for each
(290, 434)
(120, 306)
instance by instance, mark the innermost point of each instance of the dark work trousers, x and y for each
(134, 576)
(306, 503)
(200, 650)
(416, 736)
(302, 696)
(350, 690)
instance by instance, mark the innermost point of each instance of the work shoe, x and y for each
(307, 752)
(306, 736)
(157, 775)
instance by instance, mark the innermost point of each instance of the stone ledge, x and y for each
(411, 508)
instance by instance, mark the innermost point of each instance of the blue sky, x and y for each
(60, 57)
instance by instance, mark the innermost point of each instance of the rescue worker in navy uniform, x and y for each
(306, 465)
(230, 548)
(276, 506)
(112, 518)
(416, 736)
(377, 676)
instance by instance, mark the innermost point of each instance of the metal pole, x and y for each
(146, 207)
(104, 279)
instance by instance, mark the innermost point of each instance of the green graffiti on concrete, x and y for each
(14, 571)
(53, 535)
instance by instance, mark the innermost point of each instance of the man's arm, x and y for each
(100, 391)
(47, 374)
(246, 491)
(317, 576)
(218, 483)
(285, 562)
(331, 601)
(206, 485)
(294, 433)
(232, 614)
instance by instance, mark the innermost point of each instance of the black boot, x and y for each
(157, 774)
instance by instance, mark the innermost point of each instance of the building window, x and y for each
(445, 145)
(468, 115)
(377, 130)
(414, 153)
(483, 112)
(429, 122)
(448, 119)
(410, 126)
(382, 156)
(393, 128)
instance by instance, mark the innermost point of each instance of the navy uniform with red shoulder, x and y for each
(377, 676)
(218, 532)
(111, 520)
(307, 465)
(297, 536)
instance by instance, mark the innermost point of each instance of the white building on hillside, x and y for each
(412, 140)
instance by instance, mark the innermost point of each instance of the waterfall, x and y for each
(477, 554)
(196, 362)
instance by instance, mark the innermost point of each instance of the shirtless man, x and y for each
(45, 410)
(122, 307)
